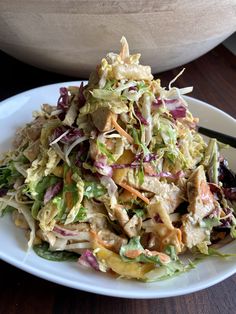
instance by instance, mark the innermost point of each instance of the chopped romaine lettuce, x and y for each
(93, 189)
(105, 151)
(43, 251)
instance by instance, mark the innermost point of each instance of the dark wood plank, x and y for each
(213, 77)
(24, 293)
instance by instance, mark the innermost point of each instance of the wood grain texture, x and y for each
(22, 293)
(71, 36)
(213, 77)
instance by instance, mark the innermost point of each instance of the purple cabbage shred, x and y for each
(3, 191)
(140, 116)
(89, 260)
(226, 176)
(52, 191)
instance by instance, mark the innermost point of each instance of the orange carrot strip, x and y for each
(134, 191)
(69, 200)
(121, 131)
(97, 241)
(68, 177)
(133, 253)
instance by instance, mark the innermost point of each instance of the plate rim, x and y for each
(101, 290)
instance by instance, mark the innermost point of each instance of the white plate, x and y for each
(16, 111)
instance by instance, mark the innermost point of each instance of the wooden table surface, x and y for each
(213, 77)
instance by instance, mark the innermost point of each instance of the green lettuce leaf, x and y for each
(93, 189)
(136, 136)
(210, 251)
(61, 206)
(215, 252)
(105, 151)
(8, 175)
(211, 161)
(6, 210)
(81, 215)
(134, 244)
(168, 271)
(43, 251)
(5, 174)
(170, 250)
(78, 195)
(162, 270)
(139, 212)
(233, 231)
(209, 223)
(43, 185)
(39, 192)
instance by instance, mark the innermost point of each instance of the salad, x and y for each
(116, 176)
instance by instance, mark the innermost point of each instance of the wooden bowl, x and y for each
(71, 37)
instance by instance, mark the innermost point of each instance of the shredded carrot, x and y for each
(134, 191)
(121, 131)
(133, 253)
(163, 257)
(68, 177)
(97, 241)
(69, 200)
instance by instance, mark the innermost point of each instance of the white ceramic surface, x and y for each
(17, 110)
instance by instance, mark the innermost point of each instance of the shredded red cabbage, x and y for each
(122, 166)
(140, 116)
(230, 193)
(138, 160)
(103, 168)
(179, 112)
(166, 174)
(134, 88)
(146, 158)
(215, 190)
(69, 137)
(63, 101)
(3, 191)
(58, 132)
(89, 260)
(157, 103)
(73, 134)
(226, 176)
(65, 232)
(175, 106)
(157, 219)
(227, 222)
(82, 99)
(52, 191)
